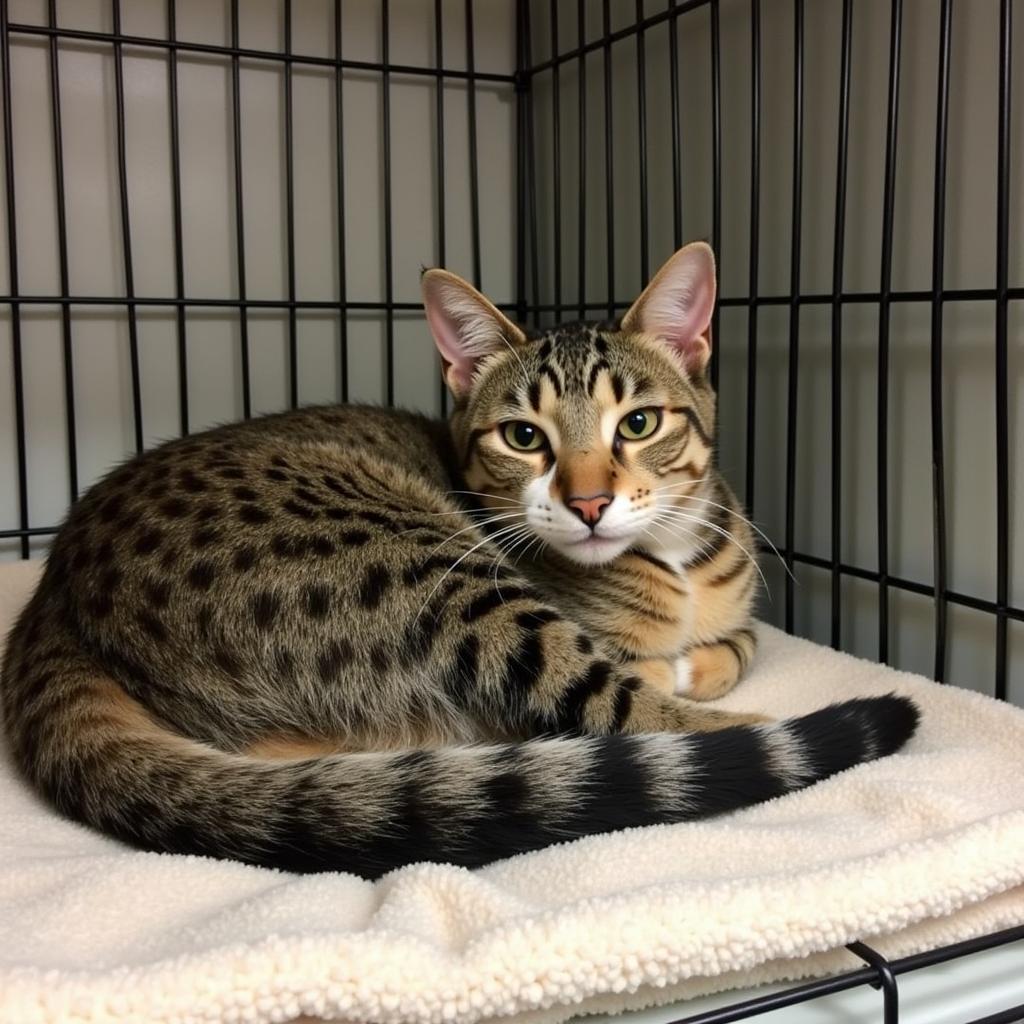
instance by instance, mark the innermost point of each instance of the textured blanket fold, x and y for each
(911, 851)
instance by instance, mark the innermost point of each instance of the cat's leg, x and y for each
(516, 663)
(716, 667)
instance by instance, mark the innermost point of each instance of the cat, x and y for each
(311, 641)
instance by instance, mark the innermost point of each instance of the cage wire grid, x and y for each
(534, 82)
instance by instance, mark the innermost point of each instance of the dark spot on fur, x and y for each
(265, 606)
(308, 496)
(206, 513)
(157, 592)
(100, 606)
(284, 546)
(380, 660)
(321, 545)
(332, 659)
(244, 493)
(110, 509)
(231, 473)
(245, 558)
(317, 597)
(81, 558)
(148, 541)
(152, 625)
(191, 482)
(205, 537)
(374, 583)
(584, 644)
(298, 510)
(201, 575)
(338, 513)
(105, 553)
(174, 508)
(204, 620)
(354, 538)
(227, 661)
(278, 460)
(284, 662)
(253, 515)
(275, 474)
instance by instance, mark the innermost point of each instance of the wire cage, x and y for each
(215, 210)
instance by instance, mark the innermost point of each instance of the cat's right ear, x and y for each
(466, 326)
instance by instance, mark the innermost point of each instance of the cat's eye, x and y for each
(523, 436)
(639, 423)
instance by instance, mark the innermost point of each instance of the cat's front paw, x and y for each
(682, 683)
(713, 671)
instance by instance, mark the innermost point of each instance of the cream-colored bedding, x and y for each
(912, 851)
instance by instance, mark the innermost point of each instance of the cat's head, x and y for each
(581, 435)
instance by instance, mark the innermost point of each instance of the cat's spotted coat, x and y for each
(300, 641)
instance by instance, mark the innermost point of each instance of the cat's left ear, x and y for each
(466, 326)
(677, 306)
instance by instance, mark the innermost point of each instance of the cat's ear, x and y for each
(677, 305)
(466, 326)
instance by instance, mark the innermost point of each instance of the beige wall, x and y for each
(968, 349)
(100, 334)
(100, 338)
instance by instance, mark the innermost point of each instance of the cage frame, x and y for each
(878, 971)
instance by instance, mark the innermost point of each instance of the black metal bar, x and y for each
(389, 273)
(755, 244)
(641, 113)
(62, 252)
(17, 368)
(938, 265)
(827, 299)
(793, 369)
(886, 979)
(521, 172)
(1002, 315)
(179, 249)
(884, 319)
(439, 119)
(556, 162)
(677, 160)
(474, 173)
(748, 1008)
(966, 947)
(951, 596)
(609, 169)
(581, 227)
(1013, 1015)
(716, 176)
(289, 198)
(863, 976)
(243, 312)
(531, 167)
(837, 318)
(126, 231)
(608, 37)
(180, 46)
(339, 165)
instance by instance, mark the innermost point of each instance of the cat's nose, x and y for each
(590, 509)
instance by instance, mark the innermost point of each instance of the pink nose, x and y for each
(590, 509)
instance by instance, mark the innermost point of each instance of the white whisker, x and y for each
(679, 513)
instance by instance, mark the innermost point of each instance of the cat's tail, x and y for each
(104, 760)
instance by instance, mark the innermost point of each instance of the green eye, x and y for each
(641, 423)
(523, 436)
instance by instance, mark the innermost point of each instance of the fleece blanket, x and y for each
(913, 851)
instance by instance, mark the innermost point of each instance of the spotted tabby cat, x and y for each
(327, 639)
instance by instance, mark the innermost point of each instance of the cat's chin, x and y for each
(595, 550)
